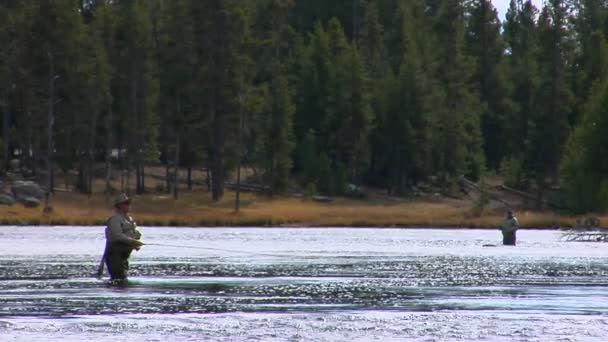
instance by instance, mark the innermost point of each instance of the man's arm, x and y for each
(136, 233)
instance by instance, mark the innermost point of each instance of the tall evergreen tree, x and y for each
(13, 32)
(583, 168)
(521, 37)
(276, 120)
(222, 31)
(177, 64)
(136, 88)
(405, 118)
(549, 126)
(485, 44)
(51, 82)
(101, 31)
(334, 102)
(458, 147)
(588, 26)
(371, 41)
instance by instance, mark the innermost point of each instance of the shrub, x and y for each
(512, 169)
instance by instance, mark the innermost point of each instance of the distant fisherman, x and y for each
(122, 237)
(509, 229)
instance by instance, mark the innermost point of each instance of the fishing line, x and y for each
(216, 249)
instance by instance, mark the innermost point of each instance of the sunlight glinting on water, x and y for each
(304, 284)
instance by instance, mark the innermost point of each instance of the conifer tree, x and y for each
(484, 43)
(583, 168)
(549, 124)
(275, 129)
(221, 32)
(334, 102)
(136, 89)
(458, 144)
(404, 120)
(521, 37)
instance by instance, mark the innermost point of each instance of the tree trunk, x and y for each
(6, 118)
(137, 177)
(91, 153)
(217, 162)
(540, 192)
(90, 179)
(81, 183)
(189, 178)
(167, 177)
(176, 172)
(121, 162)
(128, 180)
(237, 200)
(108, 187)
(143, 177)
(48, 206)
(217, 172)
(66, 178)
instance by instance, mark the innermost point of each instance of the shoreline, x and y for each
(52, 223)
(195, 209)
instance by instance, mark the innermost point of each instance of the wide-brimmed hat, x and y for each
(122, 198)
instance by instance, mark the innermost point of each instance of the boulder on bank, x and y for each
(14, 165)
(29, 201)
(23, 189)
(322, 199)
(6, 199)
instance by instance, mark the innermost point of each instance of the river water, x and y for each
(275, 284)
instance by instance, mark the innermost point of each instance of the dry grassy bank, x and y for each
(196, 209)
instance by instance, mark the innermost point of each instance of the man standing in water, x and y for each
(122, 237)
(509, 229)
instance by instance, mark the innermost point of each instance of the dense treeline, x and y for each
(313, 94)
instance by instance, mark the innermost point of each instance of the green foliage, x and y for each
(520, 35)
(485, 44)
(404, 120)
(513, 172)
(330, 93)
(483, 199)
(584, 166)
(308, 158)
(549, 121)
(275, 132)
(334, 101)
(458, 145)
(310, 190)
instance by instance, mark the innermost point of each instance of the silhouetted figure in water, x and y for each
(122, 237)
(509, 229)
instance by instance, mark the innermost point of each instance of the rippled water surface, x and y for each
(238, 284)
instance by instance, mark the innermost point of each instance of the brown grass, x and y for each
(195, 208)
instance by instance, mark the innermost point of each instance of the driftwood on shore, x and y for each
(499, 192)
(246, 187)
(468, 186)
(578, 236)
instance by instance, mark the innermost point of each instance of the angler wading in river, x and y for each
(122, 237)
(509, 229)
